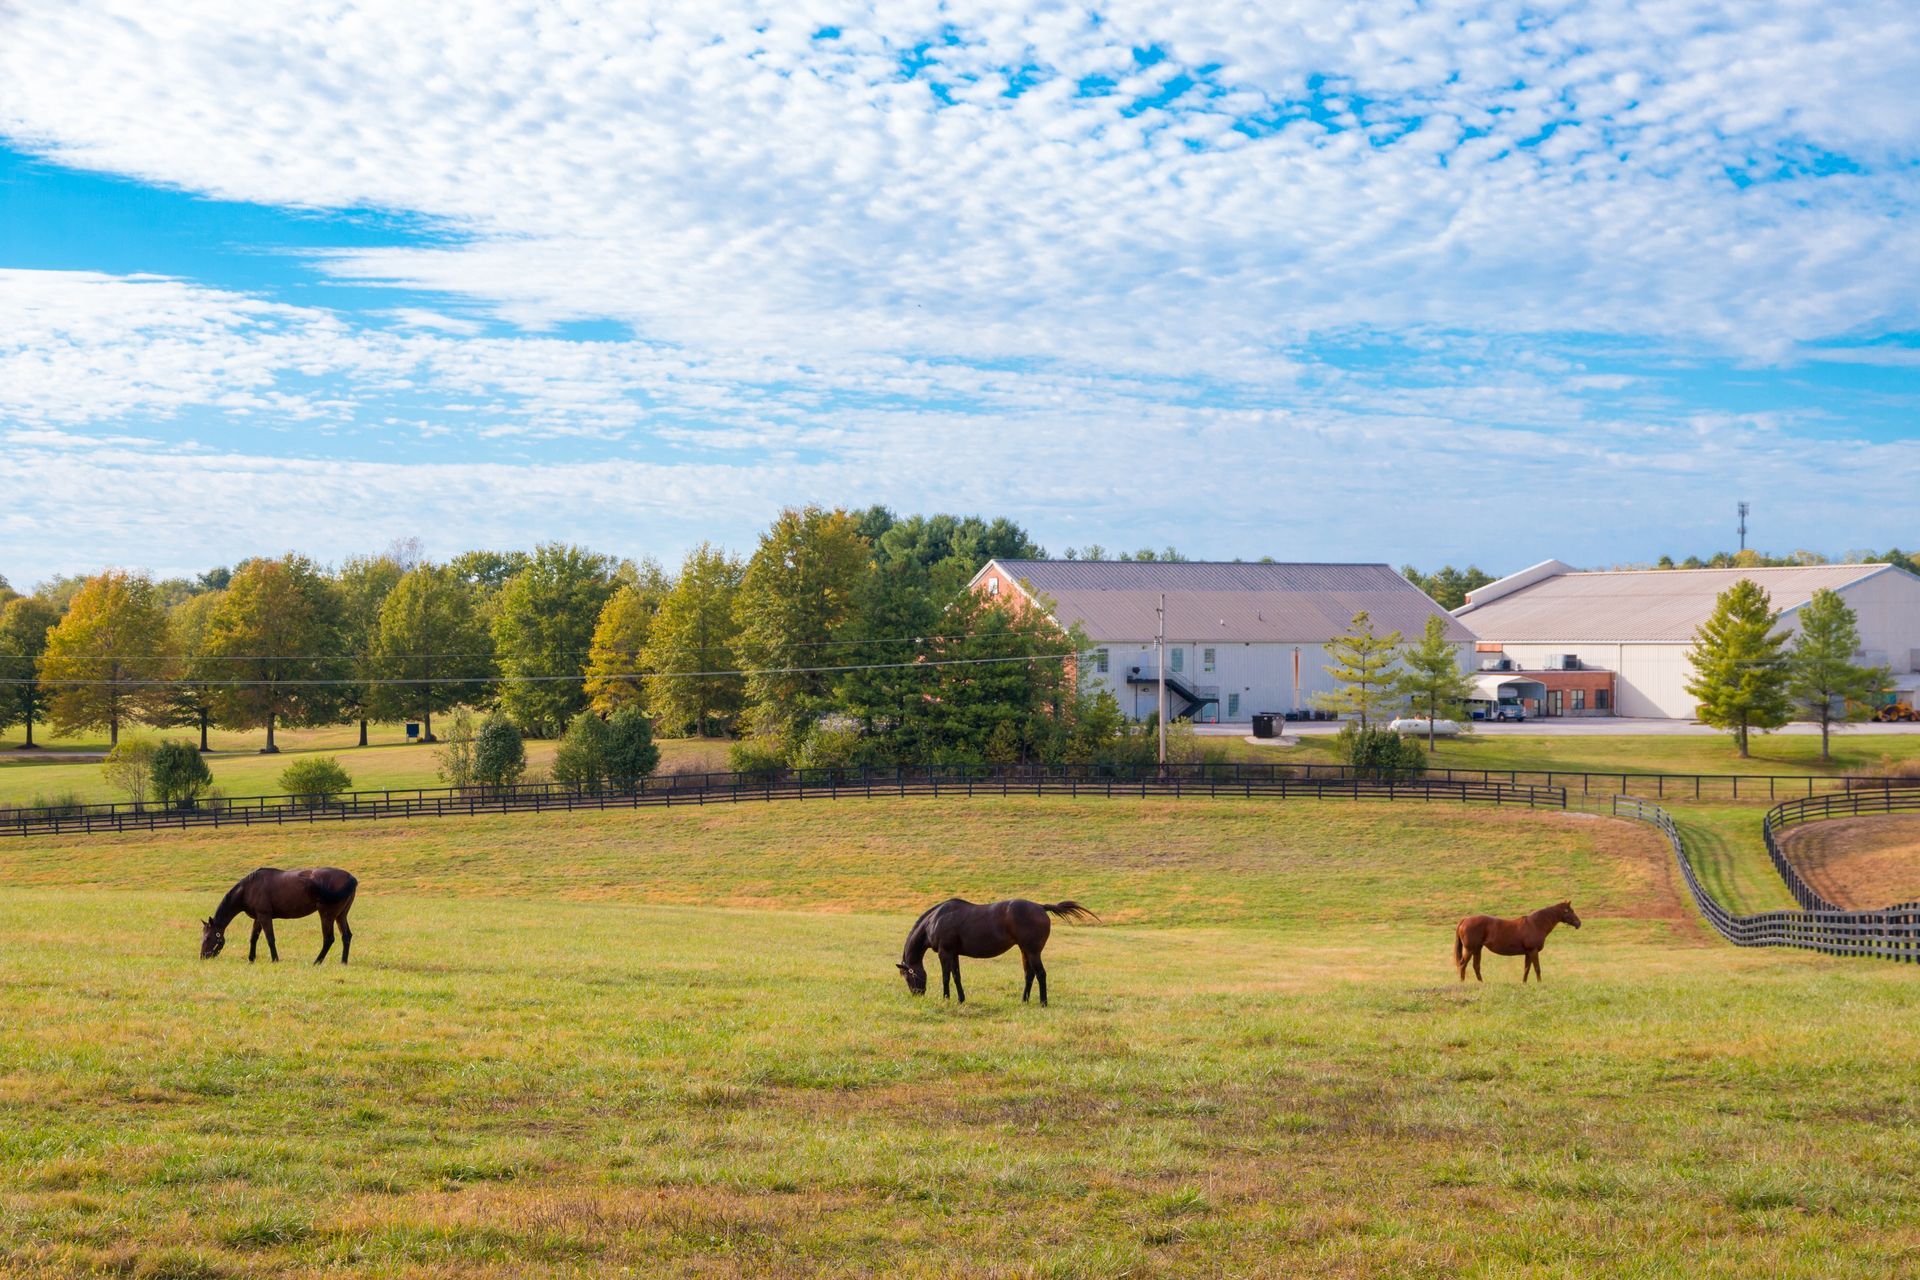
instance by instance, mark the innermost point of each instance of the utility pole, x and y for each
(1743, 526)
(1160, 670)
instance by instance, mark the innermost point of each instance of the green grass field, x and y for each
(673, 1042)
(1853, 752)
(239, 770)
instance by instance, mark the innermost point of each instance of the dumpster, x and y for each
(1263, 726)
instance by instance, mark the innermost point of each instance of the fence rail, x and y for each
(1817, 809)
(1891, 934)
(797, 784)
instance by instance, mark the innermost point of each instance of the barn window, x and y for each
(1206, 659)
(1233, 706)
(1100, 661)
(1176, 660)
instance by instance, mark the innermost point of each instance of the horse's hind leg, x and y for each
(1026, 964)
(1476, 966)
(326, 938)
(346, 938)
(1040, 972)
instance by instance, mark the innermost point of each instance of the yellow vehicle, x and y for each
(1897, 713)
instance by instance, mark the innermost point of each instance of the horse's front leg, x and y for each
(946, 978)
(273, 948)
(959, 991)
(253, 944)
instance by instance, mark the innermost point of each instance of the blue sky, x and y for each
(1413, 282)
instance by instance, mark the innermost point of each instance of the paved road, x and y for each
(1567, 727)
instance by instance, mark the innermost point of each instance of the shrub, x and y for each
(631, 752)
(762, 756)
(314, 780)
(1379, 753)
(456, 757)
(829, 749)
(129, 767)
(1003, 744)
(499, 754)
(180, 774)
(581, 759)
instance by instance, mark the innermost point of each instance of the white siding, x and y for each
(1262, 674)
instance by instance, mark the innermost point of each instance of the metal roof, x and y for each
(1114, 600)
(1638, 604)
(1487, 684)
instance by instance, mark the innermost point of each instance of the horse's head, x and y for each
(916, 976)
(212, 938)
(1567, 916)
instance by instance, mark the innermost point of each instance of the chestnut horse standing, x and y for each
(1521, 937)
(270, 894)
(956, 928)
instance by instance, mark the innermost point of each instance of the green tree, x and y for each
(632, 753)
(128, 768)
(619, 638)
(798, 590)
(1740, 665)
(364, 583)
(277, 636)
(692, 637)
(1431, 679)
(433, 651)
(180, 774)
(189, 699)
(315, 779)
(102, 658)
(581, 759)
(1821, 671)
(1363, 666)
(543, 631)
(499, 753)
(993, 664)
(1448, 586)
(455, 760)
(25, 622)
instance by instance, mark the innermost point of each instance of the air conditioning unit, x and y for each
(1497, 664)
(1563, 662)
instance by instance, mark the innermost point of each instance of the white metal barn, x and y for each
(1639, 624)
(1241, 638)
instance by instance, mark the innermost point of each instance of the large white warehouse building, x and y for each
(1563, 630)
(1241, 638)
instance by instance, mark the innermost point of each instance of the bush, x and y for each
(581, 759)
(762, 756)
(314, 780)
(499, 754)
(456, 757)
(829, 749)
(129, 768)
(631, 753)
(1379, 753)
(180, 774)
(1003, 744)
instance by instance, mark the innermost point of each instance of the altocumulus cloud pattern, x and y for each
(1336, 279)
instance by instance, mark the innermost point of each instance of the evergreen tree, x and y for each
(1739, 664)
(543, 631)
(693, 634)
(631, 751)
(1431, 677)
(277, 638)
(798, 590)
(433, 640)
(103, 656)
(1363, 665)
(1821, 670)
(581, 759)
(25, 622)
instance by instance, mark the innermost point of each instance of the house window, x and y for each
(1600, 699)
(993, 586)
(1579, 699)
(1176, 660)
(1206, 659)
(1233, 706)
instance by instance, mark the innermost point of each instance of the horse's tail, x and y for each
(330, 896)
(1459, 948)
(1068, 910)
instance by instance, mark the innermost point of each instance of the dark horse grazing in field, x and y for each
(958, 928)
(270, 894)
(1520, 937)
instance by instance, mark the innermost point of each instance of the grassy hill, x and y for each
(674, 1042)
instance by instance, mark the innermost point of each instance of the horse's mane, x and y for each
(920, 925)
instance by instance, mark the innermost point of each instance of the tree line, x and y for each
(843, 637)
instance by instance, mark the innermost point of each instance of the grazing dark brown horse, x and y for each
(956, 928)
(1519, 937)
(270, 894)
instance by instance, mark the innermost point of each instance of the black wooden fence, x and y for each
(796, 784)
(1819, 808)
(1892, 933)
